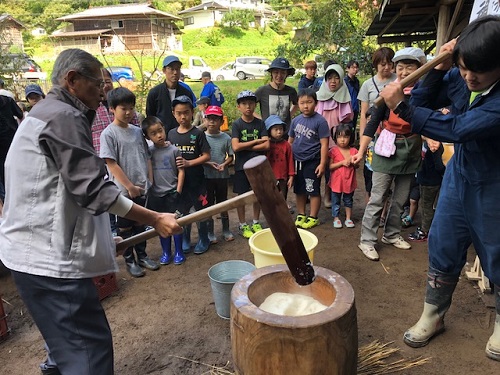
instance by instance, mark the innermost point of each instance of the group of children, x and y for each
(188, 167)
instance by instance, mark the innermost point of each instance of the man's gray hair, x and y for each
(73, 59)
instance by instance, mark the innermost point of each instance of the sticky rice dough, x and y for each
(290, 304)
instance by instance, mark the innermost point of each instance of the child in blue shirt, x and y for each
(309, 136)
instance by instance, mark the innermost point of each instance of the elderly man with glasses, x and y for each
(55, 235)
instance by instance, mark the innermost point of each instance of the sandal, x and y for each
(337, 224)
(349, 223)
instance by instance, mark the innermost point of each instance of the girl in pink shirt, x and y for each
(342, 174)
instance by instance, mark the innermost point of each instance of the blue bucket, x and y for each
(223, 276)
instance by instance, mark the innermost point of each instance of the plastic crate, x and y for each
(4, 329)
(105, 285)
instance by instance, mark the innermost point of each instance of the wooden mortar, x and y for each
(321, 343)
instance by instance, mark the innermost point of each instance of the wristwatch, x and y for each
(400, 107)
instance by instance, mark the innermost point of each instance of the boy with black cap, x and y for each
(195, 151)
(248, 138)
(276, 98)
(160, 97)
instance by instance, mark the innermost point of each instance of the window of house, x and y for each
(117, 24)
(188, 20)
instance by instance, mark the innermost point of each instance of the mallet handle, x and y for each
(240, 200)
(418, 73)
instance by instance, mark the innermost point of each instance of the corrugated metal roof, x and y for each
(128, 10)
(417, 19)
(60, 33)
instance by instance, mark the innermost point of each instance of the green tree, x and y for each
(238, 18)
(335, 30)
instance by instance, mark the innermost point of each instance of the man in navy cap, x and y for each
(160, 97)
(276, 98)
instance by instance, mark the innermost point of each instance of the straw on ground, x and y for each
(371, 361)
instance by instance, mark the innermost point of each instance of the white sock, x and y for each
(241, 224)
(255, 221)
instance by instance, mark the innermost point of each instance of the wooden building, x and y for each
(11, 33)
(118, 28)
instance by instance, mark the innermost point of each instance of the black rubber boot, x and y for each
(226, 233)
(203, 241)
(186, 239)
(211, 235)
(438, 295)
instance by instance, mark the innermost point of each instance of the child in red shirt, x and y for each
(280, 154)
(343, 173)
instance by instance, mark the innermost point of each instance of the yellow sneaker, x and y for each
(245, 231)
(256, 227)
(310, 223)
(300, 220)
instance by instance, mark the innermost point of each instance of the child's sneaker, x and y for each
(418, 236)
(256, 227)
(407, 221)
(300, 220)
(245, 231)
(310, 222)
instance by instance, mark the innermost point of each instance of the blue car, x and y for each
(121, 72)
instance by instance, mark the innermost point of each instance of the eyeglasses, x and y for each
(100, 82)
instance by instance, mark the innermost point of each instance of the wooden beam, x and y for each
(442, 26)
(417, 25)
(389, 24)
(456, 12)
(405, 38)
(418, 11)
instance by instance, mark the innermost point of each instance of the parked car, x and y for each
(22, 66)
(251, 67)
(195, 66)
(224, 73)
(121, 73)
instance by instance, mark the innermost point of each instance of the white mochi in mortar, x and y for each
(290, 304)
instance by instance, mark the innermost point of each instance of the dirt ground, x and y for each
(165, 322)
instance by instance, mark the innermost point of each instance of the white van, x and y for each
(251, 67)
